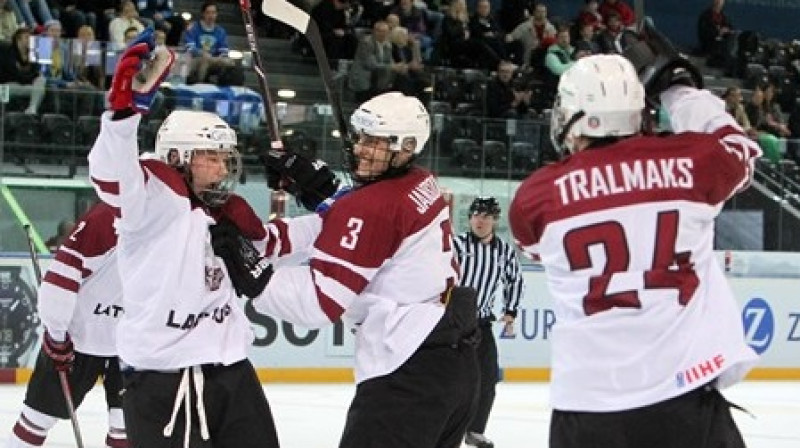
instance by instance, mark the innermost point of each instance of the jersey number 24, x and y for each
(669, 269)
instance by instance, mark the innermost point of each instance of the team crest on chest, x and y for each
(213, 277)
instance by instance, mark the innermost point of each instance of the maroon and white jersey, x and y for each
(625, 233)
(381, 262)
(180, 306)
(81, 292)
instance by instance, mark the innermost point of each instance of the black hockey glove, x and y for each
(249, 272)
(310, 181)
(660, 65)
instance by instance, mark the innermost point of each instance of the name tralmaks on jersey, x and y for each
(425, 194)
(625, 177)
(192, 320)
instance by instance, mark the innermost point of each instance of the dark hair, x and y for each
(129, 29)
(20, 30)
(206, 5)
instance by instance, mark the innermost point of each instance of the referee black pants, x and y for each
(426, 403)
(698, 419)
(489, 368)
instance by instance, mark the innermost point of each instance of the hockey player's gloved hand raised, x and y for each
(62, 353)
(660, 65)
(248, 270)
(139, 73)
(310, 181)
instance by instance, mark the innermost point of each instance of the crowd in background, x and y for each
(54, 53)
(518, 50)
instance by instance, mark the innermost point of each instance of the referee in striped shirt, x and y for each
(486, 263)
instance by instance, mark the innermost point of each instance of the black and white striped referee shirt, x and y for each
(484, 267)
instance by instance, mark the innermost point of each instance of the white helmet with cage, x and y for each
(187, 132)
(396, 117)
(599, 96)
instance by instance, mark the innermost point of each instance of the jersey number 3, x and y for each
(669, 269)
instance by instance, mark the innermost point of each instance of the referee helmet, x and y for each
(485, 204)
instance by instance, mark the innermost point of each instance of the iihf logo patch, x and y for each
(593, 122)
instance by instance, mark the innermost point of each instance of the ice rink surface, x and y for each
(312, 415)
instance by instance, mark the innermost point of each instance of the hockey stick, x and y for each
(638, 13)
(62, 376)
(258, 66)
(301, 21)
(277, 198)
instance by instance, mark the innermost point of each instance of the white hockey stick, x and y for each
(300, 20)
(62, 376)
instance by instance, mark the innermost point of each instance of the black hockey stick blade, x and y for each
(301, 21)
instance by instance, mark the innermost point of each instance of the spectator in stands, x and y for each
(774, 113)
(88, 66)
(128, 17)
(586, 43)
(393, 20)
(129, 35)
(336, 29)
(164, 18)
(484, 29)
(717, 37)
(8, 22)
(373, 69)
(590, 15)
(207, 42)
(625, 13)
(70, 93)
(559, 56)
(406, 51)
(71, 18)
(455, 47)
(733, 105)
(416, 20)
(33, 13)
(19, 73)
(610, 39)
(504, 97)
(532, 34)
(770, 128)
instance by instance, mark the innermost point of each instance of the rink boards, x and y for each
(766, 286)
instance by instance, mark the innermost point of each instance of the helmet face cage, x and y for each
(485, 204)
(218, 193)
(186, 133)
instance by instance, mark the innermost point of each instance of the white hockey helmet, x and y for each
(599, 96)
(396, 117)
(186, 132)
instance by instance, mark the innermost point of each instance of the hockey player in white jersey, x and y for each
(647, 327)
(183, 339)
(383, 262)
(80, 303)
